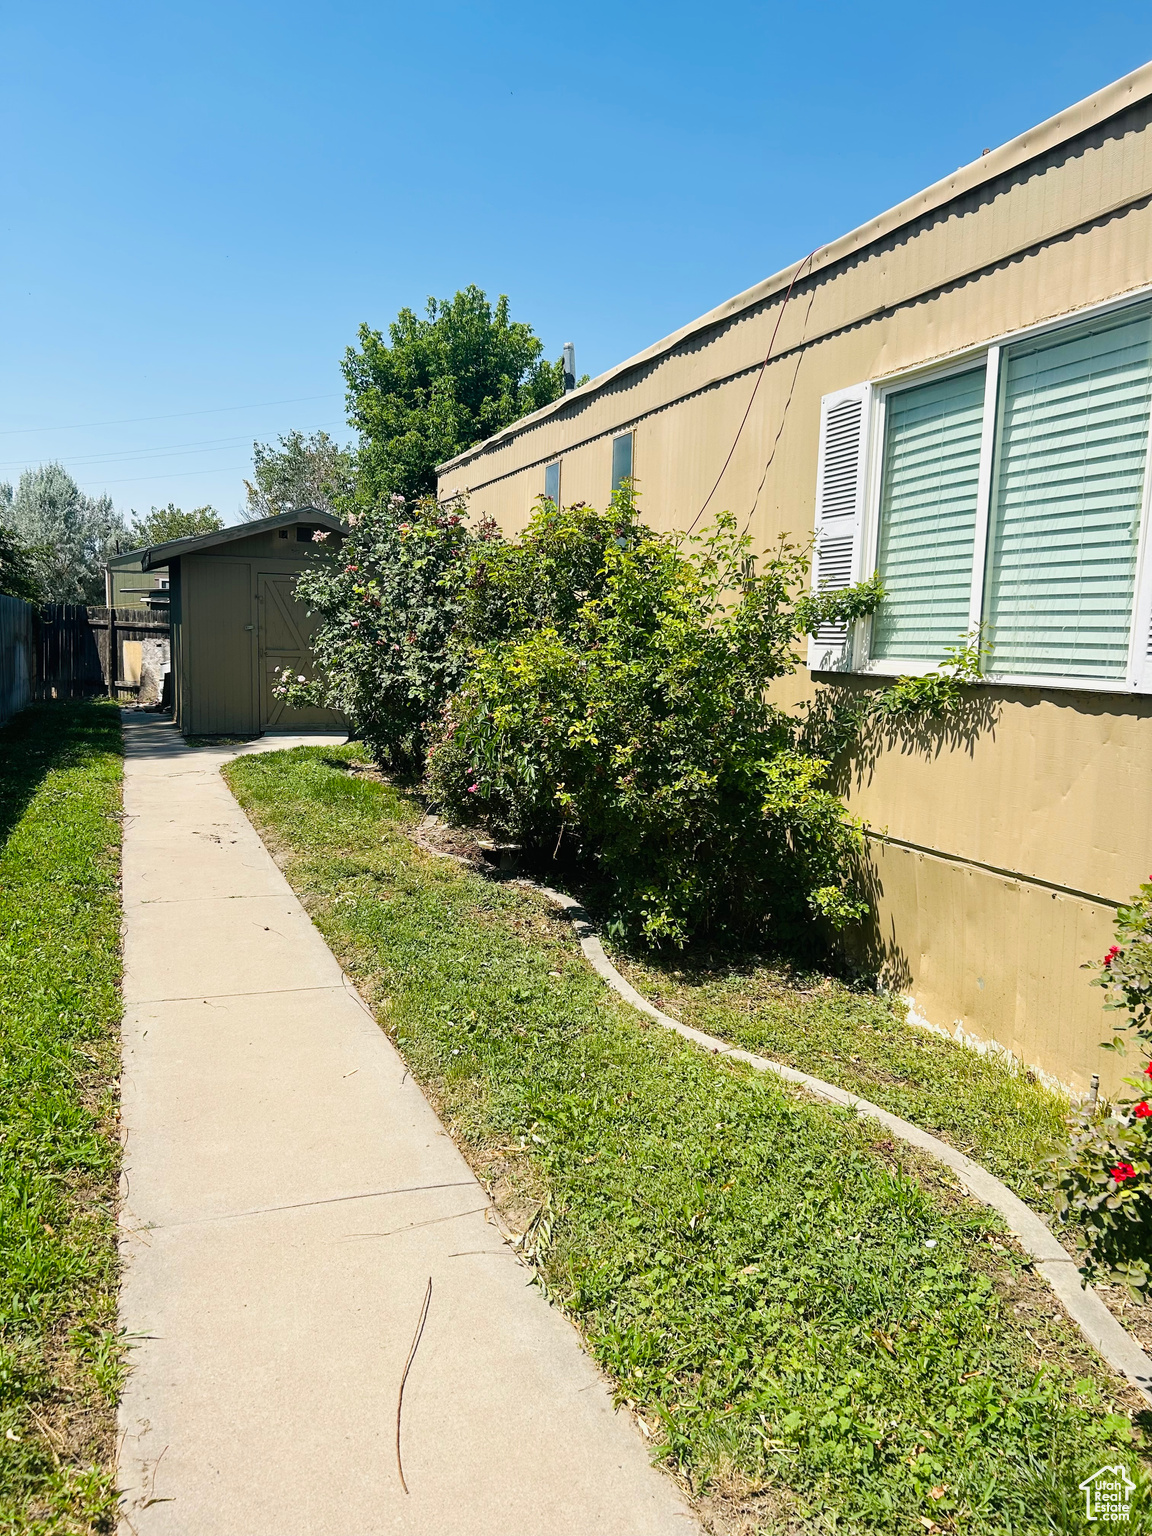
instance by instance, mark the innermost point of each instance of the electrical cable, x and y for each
(166, 450)
(800, 355)
(164, 474)
(131, 421)
(755, 388)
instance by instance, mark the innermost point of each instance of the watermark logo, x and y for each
(1108, 1494)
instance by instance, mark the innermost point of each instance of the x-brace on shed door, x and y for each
(284, 632)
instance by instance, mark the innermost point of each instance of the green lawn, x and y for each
(59, 1062)
(816, 1329)
(1001, 1116)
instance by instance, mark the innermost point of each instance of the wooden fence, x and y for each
(127, 624)
(62, 650)
(17, 655)
(68, 663)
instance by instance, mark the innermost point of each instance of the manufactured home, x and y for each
(957, 394)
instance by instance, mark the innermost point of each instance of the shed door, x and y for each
(284, 630)
(218, 692)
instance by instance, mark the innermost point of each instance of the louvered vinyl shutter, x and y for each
(840, 477)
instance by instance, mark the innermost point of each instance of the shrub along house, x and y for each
(236, 623)
(958, 396)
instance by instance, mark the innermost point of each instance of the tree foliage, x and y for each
(163, 525)
(1103, 1180)
(298, 472)
(600, 687)
(438, 385)
(18, 573)
(388, 598)
(68, 535)
(617, 698)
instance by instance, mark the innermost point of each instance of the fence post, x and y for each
(108, 598)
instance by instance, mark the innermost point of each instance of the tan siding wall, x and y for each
(998, 958)
(177, 638)
(1057, 787)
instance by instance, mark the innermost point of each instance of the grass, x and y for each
(995, 1112)
(59, 1014)
(817, 1330)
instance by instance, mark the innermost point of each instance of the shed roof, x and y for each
(1069, 124)
(162, 554)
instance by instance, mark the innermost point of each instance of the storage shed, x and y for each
(236, 623)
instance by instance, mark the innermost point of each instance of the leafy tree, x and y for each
(69, 536)
(388, 604)
(18, 576)
(163, 525)
(300, 472)
(443, 383)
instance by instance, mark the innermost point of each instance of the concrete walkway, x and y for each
(289, 1194)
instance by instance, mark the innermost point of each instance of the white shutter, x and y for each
(841, 474)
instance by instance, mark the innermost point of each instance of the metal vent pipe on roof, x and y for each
(569, 366)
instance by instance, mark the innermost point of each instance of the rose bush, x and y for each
(389, 602)
(1103, 1180)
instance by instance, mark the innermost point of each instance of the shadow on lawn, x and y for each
(44, 737)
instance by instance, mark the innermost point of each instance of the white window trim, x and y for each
(1138, 677)
(1140, 638)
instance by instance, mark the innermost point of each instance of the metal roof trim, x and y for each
(161, 554)
(1050, 134)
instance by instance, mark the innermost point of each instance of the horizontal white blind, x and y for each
(1068, 491)
(928, 516)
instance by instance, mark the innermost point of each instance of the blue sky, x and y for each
(200, 204)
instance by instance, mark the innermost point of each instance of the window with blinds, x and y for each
(1067, 500)
(929, 486)
(1011, 496)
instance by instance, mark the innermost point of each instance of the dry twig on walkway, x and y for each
(407, 1367)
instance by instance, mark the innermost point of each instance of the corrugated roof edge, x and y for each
(1097, 108)
(160, 554)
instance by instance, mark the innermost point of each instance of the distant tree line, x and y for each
(55, 541)
(431, 388)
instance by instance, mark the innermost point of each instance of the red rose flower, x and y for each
(1111, 955)
(1143, 1110)
(1122, 1171)
(1148, 1070)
